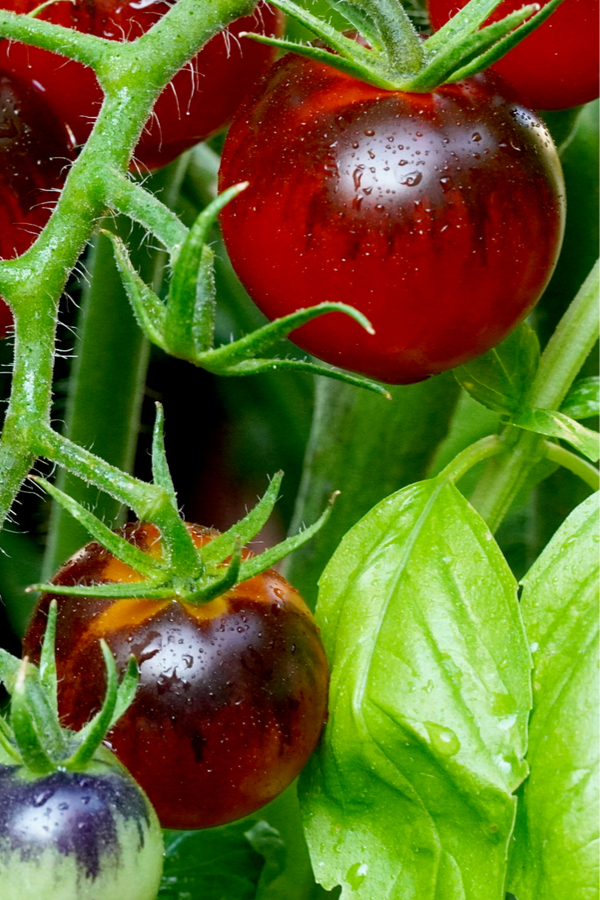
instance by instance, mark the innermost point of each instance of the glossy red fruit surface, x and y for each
(232, 695)
(199, 101)
(439, 216)
(35, 154)
(556, 66)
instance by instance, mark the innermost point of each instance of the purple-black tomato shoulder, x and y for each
(77, 835)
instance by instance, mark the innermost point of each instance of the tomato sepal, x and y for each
(34, 737)
(117, 545)
(189, 324)
(147, 307)
(270, 557)
(499, 44)
(160, 468)
(247, 528)
(117, 700)
(184, 325)
(183, 568)
(399, 60)
(256, 366)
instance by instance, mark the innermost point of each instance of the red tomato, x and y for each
(199, 101)
(232, 695)
(439, 216)
(35, 153)
(555, 67)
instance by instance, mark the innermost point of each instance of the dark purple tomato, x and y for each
(439, 216)
(77, 835)
(200, 99)
(35, 153)
(556, 66)
(232, 695)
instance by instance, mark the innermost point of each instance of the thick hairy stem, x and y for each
(132, 75)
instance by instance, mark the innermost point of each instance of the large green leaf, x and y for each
(556, 855)
(410, 795)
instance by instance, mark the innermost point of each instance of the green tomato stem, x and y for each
(567, 350)
(107, 383)
(483, 449)
(132, 75)
(137, 203)
(569, 346)
(576, 464)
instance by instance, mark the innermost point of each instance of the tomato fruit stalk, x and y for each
(200, 100)
(232, 693)
(438, 215)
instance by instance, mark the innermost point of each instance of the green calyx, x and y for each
(396, 57)
(184, 571)
(183, 324)
(32, 736)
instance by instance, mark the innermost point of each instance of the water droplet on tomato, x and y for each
(369, 132)
(411, 179)
(43, 797)
(476, 136)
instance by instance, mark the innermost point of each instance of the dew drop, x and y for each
(442, 739)
(356, 874)
(411, 179)
(43, 797)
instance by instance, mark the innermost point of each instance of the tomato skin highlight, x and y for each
(200, 100)
(77, 835)
(35, 153)
(556, 66)
(232, 695)
(440, 216)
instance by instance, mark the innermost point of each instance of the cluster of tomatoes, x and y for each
(438, 215)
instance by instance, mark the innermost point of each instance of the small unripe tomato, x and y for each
(77, 835)
(232, 694)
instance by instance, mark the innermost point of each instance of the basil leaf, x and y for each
(555, 855)
(582, 400)
(410, 794)
(500, 378)
(555, 424)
